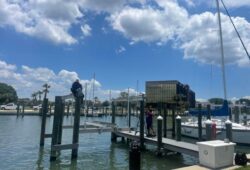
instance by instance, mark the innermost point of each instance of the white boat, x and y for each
(240, 133)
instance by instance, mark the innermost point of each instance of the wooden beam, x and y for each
(105, 123)
(64, 147)
(48, 135)
(96, 130)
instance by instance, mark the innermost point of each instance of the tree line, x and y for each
(8, 94)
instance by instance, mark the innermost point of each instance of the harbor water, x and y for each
(20, 150)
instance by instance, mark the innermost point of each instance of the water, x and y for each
(20, 137)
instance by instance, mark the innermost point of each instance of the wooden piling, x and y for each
(173, 122)
(209, 112)
(17, 109)
(67, 109)
(142, 146)
(245, 120)
(50, 109)
(159, 135)
(60, 123)
(55, 129)
(129, 115)
(228, 124)
(23, 110)
(165, 122)
(208, 129)
(76, 127)
(44, 112)
(113, 135)
(134, 156)
(236, 116)
(199, 123)
(178, 128)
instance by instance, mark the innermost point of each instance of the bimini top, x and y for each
(222, 111)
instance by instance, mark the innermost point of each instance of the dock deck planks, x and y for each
(170, 144)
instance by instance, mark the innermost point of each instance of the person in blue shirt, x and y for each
(76, 89)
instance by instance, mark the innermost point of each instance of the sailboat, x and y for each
(240, 133)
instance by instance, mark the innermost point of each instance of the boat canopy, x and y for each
(222, 111)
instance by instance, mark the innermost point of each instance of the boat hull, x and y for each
(239, 136)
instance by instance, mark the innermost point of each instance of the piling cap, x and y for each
(178, 117)
(159, 117)
(208, 121)
(228, 122)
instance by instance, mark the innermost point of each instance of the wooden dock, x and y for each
(169, 144)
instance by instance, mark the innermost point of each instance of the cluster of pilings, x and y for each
(57, 129)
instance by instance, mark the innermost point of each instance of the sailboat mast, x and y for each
(222, 51)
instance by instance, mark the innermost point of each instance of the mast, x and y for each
(128, 105)
(93, 94)
(222, 51)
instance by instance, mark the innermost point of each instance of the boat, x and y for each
(240, 133)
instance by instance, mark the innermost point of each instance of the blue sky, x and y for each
(122, 42)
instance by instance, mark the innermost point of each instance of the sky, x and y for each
(124, 43)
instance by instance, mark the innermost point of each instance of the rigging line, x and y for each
(235, 29)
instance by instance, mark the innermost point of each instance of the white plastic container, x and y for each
(216, 154)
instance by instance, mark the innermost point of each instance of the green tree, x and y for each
(243, 101)
(105, 103)
(7, 93)
(216, 100)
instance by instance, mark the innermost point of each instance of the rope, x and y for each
(235, 29)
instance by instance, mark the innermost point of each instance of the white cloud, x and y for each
(238, 3)
(35, 20)
(5, 66)
(200, 40)
(102, 5)
(149, 25)
(190, 3)
(29, 80)
(196, 34)
(86, 30)
(121, 49)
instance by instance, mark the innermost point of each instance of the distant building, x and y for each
(169, 92)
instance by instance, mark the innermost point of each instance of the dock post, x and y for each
(208, 129)
(129, 115)
(76, 127)
(50, 109)
(209, 112)
(228, 130)
(165, 122)
(17, 109)
(159, 135)
(245, 120)
(58, 103)
(173, 123)
(23, 110)
(134, 156)
(113, 135)
(61, 115)
(142, 124)
(178, 128)
(236, 116)
(42, 134)
(199, 123)
(68, 110)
